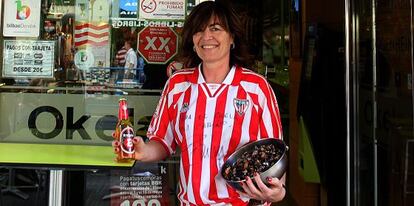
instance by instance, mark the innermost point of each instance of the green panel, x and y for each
(307, 168)
(59, 155)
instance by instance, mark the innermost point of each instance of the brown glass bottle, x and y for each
(124, 133)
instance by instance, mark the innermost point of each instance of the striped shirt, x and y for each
(120, 56)
(210, 126)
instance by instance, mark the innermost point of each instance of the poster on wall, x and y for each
(27, 58)
(21, 18)
(162, 9)
(92, 31)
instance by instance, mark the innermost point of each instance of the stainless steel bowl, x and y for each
(276, 170)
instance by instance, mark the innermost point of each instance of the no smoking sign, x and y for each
(148, 6)
(157, 45)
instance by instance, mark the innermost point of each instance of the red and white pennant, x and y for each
(90, 34)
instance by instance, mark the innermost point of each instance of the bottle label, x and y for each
(126, 137)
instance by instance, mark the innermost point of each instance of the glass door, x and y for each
(380, 66)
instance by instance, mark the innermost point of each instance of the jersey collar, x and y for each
(228, 80)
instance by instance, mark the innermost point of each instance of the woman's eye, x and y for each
(215, 29)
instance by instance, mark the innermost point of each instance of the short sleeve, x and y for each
(270, 123)
(160, 128)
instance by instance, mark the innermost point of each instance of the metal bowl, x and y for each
(276, 170)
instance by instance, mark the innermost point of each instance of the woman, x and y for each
(211, 110)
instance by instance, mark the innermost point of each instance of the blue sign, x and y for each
(128, 8)
(128, 5)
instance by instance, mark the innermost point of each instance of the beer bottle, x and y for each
(124, 133)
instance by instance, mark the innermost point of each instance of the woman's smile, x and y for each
(209, 46)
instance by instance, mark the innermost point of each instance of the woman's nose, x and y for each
(206, 34)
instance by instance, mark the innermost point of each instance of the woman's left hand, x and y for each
(274, 192)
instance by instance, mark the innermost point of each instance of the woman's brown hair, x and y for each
(198, 20)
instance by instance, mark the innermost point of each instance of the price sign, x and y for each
(28, 58)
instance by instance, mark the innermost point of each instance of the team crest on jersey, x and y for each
(185, 107)
(240, 105)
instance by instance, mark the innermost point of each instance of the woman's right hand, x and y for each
(139, 146)
(145, 152)
(115, 146)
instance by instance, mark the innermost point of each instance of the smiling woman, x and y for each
(215, 85)
(61, 79)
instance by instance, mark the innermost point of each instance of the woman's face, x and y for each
(213, 43)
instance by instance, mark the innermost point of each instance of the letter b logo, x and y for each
(23, 11)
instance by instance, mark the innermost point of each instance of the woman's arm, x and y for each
(149, 152)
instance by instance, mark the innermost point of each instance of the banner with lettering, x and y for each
(121, 22)
(148, 184)
(29, 59)
(21, 18)
(69, 118)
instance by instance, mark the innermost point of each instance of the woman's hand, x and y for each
(274, 192)
(139, 146)
(144, 151)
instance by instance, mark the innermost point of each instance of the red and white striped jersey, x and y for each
(210, 126)
(120, 56)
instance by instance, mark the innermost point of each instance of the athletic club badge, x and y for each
(240, 105)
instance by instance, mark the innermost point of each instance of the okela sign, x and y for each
(157, 45)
